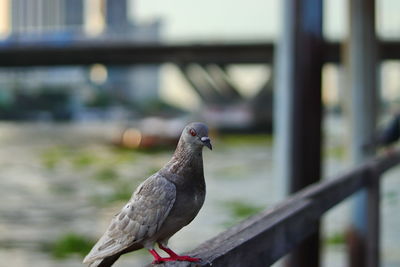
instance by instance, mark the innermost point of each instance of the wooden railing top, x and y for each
(264, 238)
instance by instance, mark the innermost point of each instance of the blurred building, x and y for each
(68, 22)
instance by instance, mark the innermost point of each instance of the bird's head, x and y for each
(196, 135)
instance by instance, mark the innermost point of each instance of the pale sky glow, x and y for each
(227, 20)
(4, 18)
(94, 19)
(175, 90)
(240, 20)
(211, 20)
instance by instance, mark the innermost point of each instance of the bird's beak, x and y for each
(207, 142)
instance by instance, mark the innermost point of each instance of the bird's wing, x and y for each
(139, 219)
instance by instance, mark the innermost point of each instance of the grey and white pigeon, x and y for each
(163, 204)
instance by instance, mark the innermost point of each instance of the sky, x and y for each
(227, 20)
(211, 20)
(244, 20)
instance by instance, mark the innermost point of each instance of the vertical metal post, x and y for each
(360, 61)
(298, 108)
(372, 256)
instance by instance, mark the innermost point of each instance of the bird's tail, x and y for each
(106, 262)
(95, 263)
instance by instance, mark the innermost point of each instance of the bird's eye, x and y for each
(192, 132)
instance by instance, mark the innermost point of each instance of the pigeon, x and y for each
(164, 203)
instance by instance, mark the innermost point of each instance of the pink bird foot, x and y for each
(172, 256)
(186, 258)
(176, 257)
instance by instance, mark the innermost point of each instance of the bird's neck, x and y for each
(187, 160)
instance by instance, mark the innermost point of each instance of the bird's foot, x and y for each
(172, 256)
(176, 258)
(161, 260)
(186, 258)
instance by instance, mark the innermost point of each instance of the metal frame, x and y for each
(87, 53)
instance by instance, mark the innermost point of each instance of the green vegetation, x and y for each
(247, 139)
(338, 152)
(392, 197)
(70, 244)
(84, 159)
(123, 155)
(121, 192)
(335, 239)
(53, 156)
(240, 210)
(101, 167)
(152, 170)
(106, 174)
(79, 158)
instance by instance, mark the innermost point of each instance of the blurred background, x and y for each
(77, 139)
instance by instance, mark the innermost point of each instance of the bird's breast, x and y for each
(189, 200)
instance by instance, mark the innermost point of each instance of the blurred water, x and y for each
(58, 180)
(53, 182)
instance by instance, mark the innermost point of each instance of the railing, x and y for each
(264, 238)
(125, 53)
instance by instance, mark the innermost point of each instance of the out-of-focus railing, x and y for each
(264, 238)
(123, 53)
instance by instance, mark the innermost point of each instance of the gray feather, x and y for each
(145, 201)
